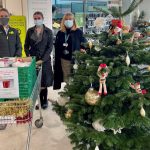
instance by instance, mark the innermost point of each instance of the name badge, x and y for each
(65, 44)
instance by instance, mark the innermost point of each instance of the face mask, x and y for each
(38, 22)
(68, 23)
(4, 21)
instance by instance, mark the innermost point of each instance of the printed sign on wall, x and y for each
(19, 23)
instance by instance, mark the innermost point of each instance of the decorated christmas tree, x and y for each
(106, 103)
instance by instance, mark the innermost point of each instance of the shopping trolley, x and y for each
(21, 111)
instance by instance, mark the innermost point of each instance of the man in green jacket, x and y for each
(10, 45)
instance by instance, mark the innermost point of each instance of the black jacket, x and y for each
(41, 50)
(10, 45)
(76, 39)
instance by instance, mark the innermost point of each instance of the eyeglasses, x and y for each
(37, 18)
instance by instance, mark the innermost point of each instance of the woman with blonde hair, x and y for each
(68, 40)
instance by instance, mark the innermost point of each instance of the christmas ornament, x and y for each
(17, 108)
(117, 131)
(97, 48)
(63, 100)
(96, 148)
(142, 112)
(136, 35)
(116, 26)
(100, 22)
(75, 66)
(126, 29)
(24, 119)
(102, 72)
(117, 22)
(117, 30)
(97, 125)
(70, 81)
(137, 88)
(87, 65)
(90, 44)
(68, 114)
(91, 97)
(118, 42)
(127, 59)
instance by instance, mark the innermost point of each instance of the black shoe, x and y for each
(45, 106)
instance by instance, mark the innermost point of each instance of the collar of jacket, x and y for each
(3, 30)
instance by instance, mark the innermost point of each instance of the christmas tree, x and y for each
(106, 103)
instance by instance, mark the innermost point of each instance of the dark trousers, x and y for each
(43, 96)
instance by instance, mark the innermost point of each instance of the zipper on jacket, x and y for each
(8, 44)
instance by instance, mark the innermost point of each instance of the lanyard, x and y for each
(66, 37)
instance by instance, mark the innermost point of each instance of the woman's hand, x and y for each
(39, 62)
(82, 50)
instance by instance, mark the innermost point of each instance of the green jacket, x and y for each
(10, 45)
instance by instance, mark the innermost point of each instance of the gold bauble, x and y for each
(92, 97)
(90, 44)
(68, 114)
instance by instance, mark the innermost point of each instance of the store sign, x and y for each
(45, 6)
(9, 87)
(19, 23)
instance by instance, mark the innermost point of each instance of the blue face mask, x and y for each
(38, 22)
(68, 23)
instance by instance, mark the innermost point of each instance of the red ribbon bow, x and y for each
(103, 65)
(117, 22)
(144, 92)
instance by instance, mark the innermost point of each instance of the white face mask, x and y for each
(68, 23)
(38, 22)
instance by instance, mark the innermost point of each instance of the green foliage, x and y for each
(120, 109)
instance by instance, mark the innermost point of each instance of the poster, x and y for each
(45, 6)
(79, 19)
(19, 23)
(9, 87)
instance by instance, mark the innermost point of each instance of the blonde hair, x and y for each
(62, 25)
